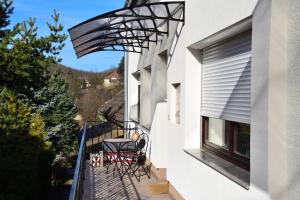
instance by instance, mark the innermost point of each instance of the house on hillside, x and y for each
(215, 84)
(85, 83)
(111, 79)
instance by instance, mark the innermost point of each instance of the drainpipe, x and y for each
(125, 86)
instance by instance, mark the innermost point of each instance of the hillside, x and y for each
(76, 77)
(89, 90)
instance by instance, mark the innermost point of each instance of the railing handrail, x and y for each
(76, 189)
(113, 121)
(78, 169)
(116, 122)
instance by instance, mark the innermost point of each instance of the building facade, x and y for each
(219, 96)
(111, 79)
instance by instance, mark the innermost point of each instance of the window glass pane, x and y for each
(242, 139)
(217, 132)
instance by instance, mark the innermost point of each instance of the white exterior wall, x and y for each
(293, 106)
(132, 63)
(191, 178)
(159, 138)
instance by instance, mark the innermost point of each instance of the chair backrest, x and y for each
(142, 142)
(141, 159)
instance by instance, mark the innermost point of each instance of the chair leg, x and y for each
(115, 168)
(147, 172)
(125, 172)
(136, 177)
(134, 173)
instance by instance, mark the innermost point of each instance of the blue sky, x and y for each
(71, 12)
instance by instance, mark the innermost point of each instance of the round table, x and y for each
(118, 140)
(118, 144)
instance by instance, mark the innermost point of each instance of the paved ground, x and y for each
(99, 185)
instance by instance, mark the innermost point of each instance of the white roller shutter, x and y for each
(226, 79)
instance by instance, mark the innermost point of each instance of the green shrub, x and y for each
(25, 159)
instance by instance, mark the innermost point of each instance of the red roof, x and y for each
(113, 74)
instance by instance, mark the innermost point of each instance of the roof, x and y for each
(127, 29)
(113, 74)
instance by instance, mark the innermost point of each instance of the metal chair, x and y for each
(136, 158)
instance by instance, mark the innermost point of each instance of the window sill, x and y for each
(231, 171)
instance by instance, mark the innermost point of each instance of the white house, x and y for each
(216, 84)
(111, 79)
(220, 99)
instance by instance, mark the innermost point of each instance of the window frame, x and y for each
(176, 103)
(139, 104)
(230, 154)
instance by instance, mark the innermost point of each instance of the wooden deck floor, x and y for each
(99, 185)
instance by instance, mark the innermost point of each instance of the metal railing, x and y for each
(77, 185)
(93, 131)
(110, 129)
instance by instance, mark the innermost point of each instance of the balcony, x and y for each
(95, 183)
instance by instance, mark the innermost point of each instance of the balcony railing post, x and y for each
(77, 185)
(92, 138)
(79, 174)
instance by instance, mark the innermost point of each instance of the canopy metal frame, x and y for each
(128, 29)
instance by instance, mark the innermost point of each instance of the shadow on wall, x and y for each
(175, 41)
(239, 82)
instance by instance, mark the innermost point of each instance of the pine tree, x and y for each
(25, 56)
(6, 10)
(57, 106)
(120, 69)
(30, 124)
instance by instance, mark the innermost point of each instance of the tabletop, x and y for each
(118, 140)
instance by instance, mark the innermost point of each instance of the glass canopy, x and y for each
(127, 29)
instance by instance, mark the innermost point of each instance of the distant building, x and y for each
(85, 84)
(112, 79)
(78, 118)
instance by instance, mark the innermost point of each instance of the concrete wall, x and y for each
(259, 98)
(191, 178)
(158, 136)
(293, 106)
(132, 81)
(158, 82)
(275, 97)
(293, 99)
(145, 116)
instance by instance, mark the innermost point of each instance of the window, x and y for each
(135, 109)
(226, 79)
(145, 98)
(162, 75)
(227, 139)
(225, 98)
(175, 103)
(139, 104)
